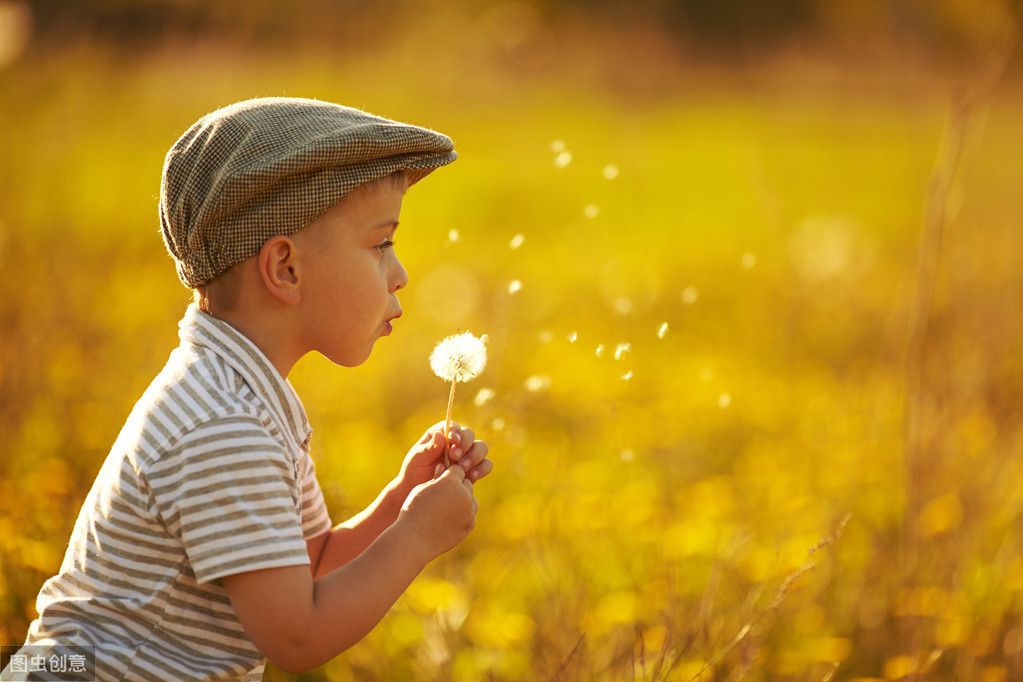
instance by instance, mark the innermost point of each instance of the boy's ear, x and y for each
(278, 268)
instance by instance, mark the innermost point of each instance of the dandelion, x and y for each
(460, 357)
(663, 330)
(516, 241)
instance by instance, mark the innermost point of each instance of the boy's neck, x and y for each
(272, 334)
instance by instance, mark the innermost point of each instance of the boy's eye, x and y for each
(384, 245)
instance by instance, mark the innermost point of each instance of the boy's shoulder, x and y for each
(195, 392)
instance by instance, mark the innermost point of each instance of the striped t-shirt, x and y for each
(210, 477)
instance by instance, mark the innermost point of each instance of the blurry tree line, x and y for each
(715, 26)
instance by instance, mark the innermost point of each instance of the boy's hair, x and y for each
(270, 166)
(219, 293)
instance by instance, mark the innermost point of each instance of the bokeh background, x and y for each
(750, 271)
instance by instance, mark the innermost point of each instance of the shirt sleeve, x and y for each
(228, 492)
(315, 517)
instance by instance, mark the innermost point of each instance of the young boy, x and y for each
(204, 546)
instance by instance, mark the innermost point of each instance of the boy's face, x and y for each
(351, 275)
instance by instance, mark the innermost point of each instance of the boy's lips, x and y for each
(388, 328)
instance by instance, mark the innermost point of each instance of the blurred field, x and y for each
(701, 376)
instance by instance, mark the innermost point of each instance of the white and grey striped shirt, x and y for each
(210, 476)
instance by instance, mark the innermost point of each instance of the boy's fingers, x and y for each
(480, 470)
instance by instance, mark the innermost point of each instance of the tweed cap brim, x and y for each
(271, 166)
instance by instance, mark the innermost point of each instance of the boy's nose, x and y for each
(399, 277)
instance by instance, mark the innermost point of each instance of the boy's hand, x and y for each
(440, 512)
(466, 452)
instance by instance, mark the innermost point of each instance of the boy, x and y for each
(204, 546)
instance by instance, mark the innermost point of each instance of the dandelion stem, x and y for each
(447, 424)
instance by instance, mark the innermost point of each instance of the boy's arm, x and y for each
(348, 540)
(299, 623)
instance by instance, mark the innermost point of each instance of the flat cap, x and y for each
(270, 166)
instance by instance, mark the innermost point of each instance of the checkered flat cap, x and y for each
(270, 166)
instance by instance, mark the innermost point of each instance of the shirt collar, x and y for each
(243, 356)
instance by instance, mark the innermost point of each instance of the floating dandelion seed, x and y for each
(627, 375)
(563, 159)
(724, 400)
(628, 455)
(748, 260)
(610, 171)
(452, 236)
(514, 286)
(623, 305)
(572, 336)
(621, 349)
(497, 424)
(600, 351)
(546, 336)
(557, 146)
(460, 357)
(538, 382)
(689, 295)
(516, 241)
(591, 211)
(662, 330)
(483, 396)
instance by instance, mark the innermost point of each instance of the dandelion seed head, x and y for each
(662, 331)
(610, 171)
(621, 349)
(572, 336)
(516, 241)
(591, 211)
(514, 286)
(460, 357)
(689, 295)
(748, 260)
(562, 159)
(453, 236)
(483, 396)
(724, 400)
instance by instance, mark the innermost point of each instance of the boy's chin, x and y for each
(349, 359)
